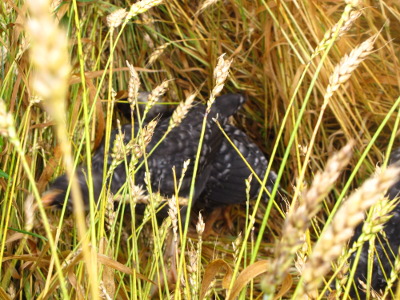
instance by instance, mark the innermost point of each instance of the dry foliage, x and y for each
(317, 74)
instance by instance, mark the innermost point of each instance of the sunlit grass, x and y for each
(284, 55)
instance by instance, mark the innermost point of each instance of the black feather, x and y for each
(226, 184)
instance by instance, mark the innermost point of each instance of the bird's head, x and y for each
(56, 195)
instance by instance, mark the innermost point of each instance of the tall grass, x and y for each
(318, 74)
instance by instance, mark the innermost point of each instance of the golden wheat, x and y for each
(116, 18)
(205, 5)
(221, 72)
(351, 213)
(155, 95)
(141, 7)
(181, 111)
(133, 86)
(299, 219)
(348, 64)
(157, 53)
(347, 21)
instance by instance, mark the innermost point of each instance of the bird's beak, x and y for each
(49, 197)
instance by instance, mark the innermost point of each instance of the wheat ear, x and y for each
(351, 213)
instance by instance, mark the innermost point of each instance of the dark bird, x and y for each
(179, 145)
(222, 171)
(386, 246)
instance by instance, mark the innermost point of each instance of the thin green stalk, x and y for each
(189, 205)
(360, 162)
(292, 138)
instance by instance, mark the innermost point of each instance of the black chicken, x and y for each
(221, 174)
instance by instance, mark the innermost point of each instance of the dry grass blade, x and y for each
(248, 274)
(107, 261)
(4, 295)
(211, 271)
(351, 213)
(107, 284)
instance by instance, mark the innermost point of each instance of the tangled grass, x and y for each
(320, 76)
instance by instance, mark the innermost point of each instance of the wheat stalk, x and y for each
(142, 6)
(157, 53)
(110, 212)
(347, 65)
(221, 72)
(347, 20)
(340, 75)
(181, 111)
(133, 86)
(118, 152)
(173, 214)
(49, 56)
(7, 127)
(192, 268)
(351, 213)
(155, 95)
(116, 18)
(200, 226)
(236, 247)
(378, 216)
(299, 219)
(394, 275)
(147, 132)
(137, 194)
(205, 5)
(29, 209)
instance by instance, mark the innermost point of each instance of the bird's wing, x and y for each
(229, 171)
(182, 144)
